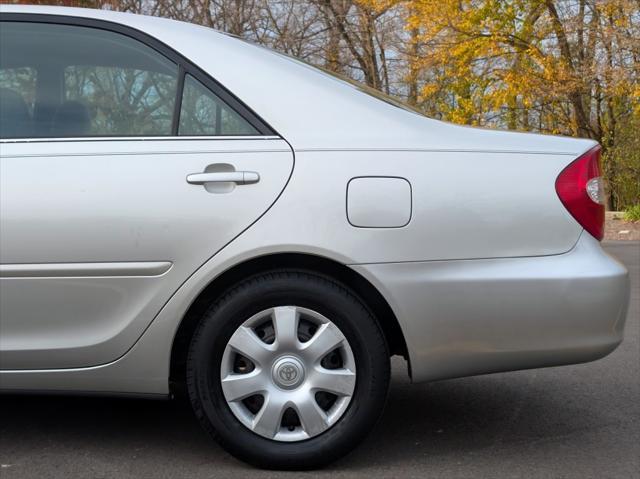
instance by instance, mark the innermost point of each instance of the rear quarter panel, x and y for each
(465, 205)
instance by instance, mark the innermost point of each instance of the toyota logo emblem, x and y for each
(288, 373)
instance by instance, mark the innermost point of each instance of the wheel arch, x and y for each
(336, 271)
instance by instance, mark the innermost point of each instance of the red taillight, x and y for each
(581, 190)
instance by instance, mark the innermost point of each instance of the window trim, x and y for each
(88, 139)
(185, 66)
(177, 104)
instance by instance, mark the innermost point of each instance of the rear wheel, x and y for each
(288, 371)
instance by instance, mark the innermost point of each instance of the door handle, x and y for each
(237, 177)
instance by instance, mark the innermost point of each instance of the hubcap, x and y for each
(288, 373)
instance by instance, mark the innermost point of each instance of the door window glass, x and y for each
(117, 101)
(73, 81)
(17, 98)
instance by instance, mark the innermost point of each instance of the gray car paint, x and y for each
(517, 284)
(100, 206)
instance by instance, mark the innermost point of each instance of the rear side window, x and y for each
(118, 101)
(69, 81)
(17, 100)
(89, 82)
(203, 113)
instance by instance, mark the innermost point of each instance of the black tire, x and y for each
(307, 290)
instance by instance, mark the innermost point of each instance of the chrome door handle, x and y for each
(237, 177)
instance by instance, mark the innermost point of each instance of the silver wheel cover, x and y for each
(288, 374)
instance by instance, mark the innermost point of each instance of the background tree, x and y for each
(567, 67)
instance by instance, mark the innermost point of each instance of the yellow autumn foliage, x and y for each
(556, 66)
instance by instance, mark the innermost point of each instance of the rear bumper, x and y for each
(461, 318)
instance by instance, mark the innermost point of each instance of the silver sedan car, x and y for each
(182, 211)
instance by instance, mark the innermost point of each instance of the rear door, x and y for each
(122, 170)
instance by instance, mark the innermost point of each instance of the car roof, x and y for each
(308, 107)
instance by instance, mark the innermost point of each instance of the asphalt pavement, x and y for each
(578, 421)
